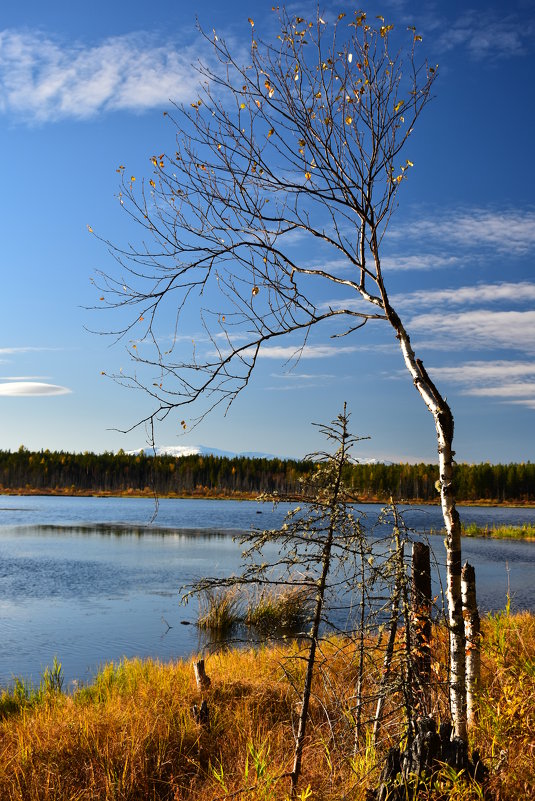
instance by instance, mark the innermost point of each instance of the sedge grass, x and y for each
(523, 532)
(280, 609)
(219, 610)
(130, 735)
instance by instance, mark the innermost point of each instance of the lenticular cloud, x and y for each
(18, 389)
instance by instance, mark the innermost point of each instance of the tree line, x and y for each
(206, 475)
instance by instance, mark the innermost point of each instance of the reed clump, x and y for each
(523, 532)
(275, 609)
(131, 734)
(271, 610)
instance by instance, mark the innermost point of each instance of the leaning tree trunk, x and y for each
(444, 427)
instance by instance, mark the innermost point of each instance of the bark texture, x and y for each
(472, 629)
(443, 418)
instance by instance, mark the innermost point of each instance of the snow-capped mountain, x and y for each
(198, 450)
(207, 450)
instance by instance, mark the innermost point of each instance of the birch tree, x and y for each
(299, 150)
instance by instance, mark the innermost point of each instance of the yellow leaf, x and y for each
(255, 291)
(141, 319)
(89, 229)
(340, 16)
(384, 29)
(410, 164)
(242, 105)
(398, 105)
(132, 178)
(151, 182)
(308, 176)
(271, 132)
(252, 22)
(349, 120)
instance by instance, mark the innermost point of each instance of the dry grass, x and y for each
(131, 735)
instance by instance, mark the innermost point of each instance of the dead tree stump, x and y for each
(421, 618)
(404, 773)
(203, 682)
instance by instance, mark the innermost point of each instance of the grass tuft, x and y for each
(219, 610)
(286, 609)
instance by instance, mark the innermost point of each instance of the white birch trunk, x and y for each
(473, 640)
(444, 427)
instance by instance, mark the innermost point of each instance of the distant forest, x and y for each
(47, 472)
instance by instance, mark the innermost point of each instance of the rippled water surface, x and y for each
(89, 580)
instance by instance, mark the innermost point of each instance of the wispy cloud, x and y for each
(287, 352)
(420, 261)
(31, 389)
(43, 79)
(488, 36)
(477, 329)
(11, 351)
(483, 371)
(297, 377)
(290, 381)
(502, 380)
(506, 292)
(505, 231)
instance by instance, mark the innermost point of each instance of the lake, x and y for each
(91, 580)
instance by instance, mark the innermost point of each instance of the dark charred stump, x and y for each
(405, 773)
(421, 620)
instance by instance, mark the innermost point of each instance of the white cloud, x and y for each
(285, 352)
(10, 351)
(505, 231)
(24, 378)
(306, 376)
(503, 380)
(505, 390)
(520, 292)
(42, 79)
(421, 261)
(487, 37)
(18, 389)
(480, 371)
(477, 329)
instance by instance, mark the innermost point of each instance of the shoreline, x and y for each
(240, 496)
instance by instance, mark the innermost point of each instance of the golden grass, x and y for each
(131, 735)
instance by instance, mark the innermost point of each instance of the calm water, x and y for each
(90, 580)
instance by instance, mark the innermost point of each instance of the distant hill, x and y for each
(207, 450)
(201, 450)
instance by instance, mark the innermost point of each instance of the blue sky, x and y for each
(83, 89)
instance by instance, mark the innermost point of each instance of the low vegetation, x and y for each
(223, 610)
(524, 532)
(131, 734)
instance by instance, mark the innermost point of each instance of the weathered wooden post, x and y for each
(201, 714)
(203, 682)
(421, 617)
(472, 629)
